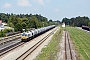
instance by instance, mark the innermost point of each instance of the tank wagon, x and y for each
(86, 28)
(26, 36)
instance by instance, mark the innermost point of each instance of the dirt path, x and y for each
(67, 51)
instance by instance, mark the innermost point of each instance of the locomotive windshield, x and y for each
(24, 34)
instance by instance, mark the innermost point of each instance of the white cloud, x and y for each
(41, 2)
(47, 0)
(56, 10)
(7, 5)
(23, 3)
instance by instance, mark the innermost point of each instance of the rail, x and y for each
(9, 38)
(69, 51)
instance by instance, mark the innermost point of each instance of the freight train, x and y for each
(26, 36)
(86, 28)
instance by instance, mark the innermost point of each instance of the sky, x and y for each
(52, 9)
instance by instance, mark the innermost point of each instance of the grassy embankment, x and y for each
(81, 41)
(50, 52)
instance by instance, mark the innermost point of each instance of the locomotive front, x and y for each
(24, 37)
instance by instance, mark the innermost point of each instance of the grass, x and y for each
(81, 41)
(50, 52)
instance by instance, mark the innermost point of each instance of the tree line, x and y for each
(25, 21)
(77, 21)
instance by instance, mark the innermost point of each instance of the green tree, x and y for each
(24, 25)
(78, 21)
(34, 22)
(18, 27)
(11, 24)
(88, 23)
(19, 20)
(25, 21)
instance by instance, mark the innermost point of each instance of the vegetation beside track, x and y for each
(81, 41)
(50, 52)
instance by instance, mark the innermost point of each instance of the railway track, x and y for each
(9, 44)
(69, 51)
(30, 50)
(9, 39)
(10, 48)
(4, 45)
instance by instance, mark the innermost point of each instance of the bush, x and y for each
(3, 32)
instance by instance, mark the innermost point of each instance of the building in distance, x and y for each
(63, 24)
(4, 26)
